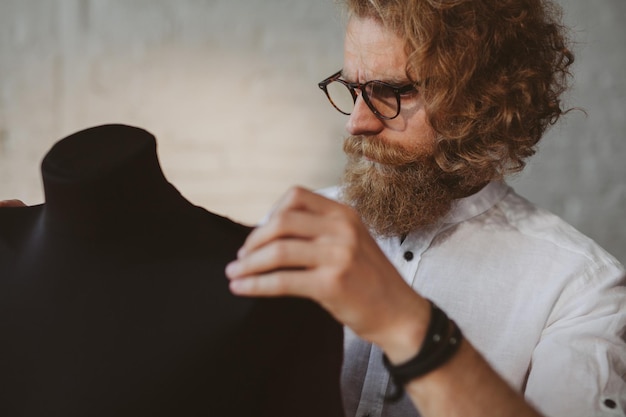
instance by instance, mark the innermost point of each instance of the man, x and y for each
(444, 99)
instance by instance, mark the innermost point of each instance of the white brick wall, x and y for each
(229, 87)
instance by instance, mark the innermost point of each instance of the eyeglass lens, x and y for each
(379, 96)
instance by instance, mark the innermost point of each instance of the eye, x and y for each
(381, 91)
(407, 90)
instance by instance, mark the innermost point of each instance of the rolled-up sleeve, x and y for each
(578, 367)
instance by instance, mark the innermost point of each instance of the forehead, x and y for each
(373, 52)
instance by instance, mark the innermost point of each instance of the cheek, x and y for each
(412, 132)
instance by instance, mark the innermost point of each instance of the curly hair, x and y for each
(494, 73)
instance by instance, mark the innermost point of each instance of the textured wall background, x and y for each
(229, 87)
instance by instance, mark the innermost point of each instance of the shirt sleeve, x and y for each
(578, 367)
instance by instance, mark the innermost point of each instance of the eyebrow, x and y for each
(391, 80)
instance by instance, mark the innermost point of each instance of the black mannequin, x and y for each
(113, 301)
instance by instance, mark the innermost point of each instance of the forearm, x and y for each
(465, 386)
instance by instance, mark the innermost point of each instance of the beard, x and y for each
(395, 190)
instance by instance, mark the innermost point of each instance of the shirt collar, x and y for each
(476, 204)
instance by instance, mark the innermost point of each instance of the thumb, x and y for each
(12, 203)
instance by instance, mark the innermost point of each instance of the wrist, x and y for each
(405, 337)
(441, 342)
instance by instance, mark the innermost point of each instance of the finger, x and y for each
(12, 203)
(299, 198)
(280, 254)
(300, 283)
(285, 225)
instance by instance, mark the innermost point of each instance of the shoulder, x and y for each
(543, 226)
(509, 233)
(545, 242)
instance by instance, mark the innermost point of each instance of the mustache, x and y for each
(375, 148)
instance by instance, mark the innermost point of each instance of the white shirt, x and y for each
(544, 305)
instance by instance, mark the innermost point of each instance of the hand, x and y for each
(12, 203)
(317, 248)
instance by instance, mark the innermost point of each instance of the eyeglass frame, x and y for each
(352, 87)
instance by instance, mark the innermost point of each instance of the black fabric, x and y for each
(114, 302)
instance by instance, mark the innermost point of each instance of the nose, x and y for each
(362, 120)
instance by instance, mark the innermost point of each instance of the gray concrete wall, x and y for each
(229, 87)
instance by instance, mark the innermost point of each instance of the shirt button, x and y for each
(408, 255)
(609, 403)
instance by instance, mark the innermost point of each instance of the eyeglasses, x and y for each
(382, 98)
